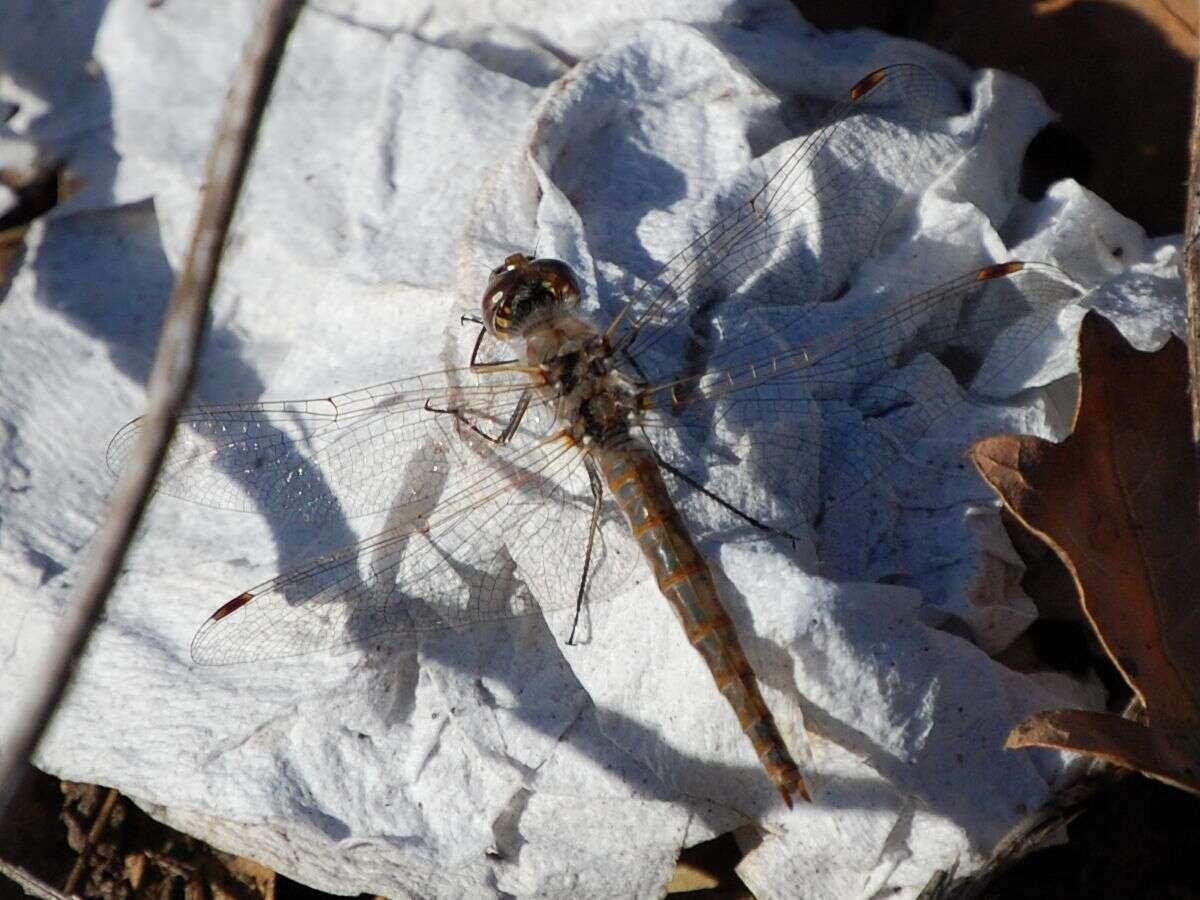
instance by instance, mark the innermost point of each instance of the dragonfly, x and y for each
(512, 485)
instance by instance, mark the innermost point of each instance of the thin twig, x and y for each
(31, 884)
(170, 379)
(1191, 262)
(93, 838)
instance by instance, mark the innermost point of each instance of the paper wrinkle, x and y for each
(406, 152)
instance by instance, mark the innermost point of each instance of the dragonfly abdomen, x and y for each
(683, 576)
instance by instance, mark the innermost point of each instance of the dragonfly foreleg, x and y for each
(514, 421)
(716, 498)
(477, 366)
(598, 497)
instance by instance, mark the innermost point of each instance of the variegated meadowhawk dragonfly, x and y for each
(502, 479)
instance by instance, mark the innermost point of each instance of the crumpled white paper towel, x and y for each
(405, 153)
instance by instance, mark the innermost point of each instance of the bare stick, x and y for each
(1191, 264)
(30, 883)
(93, 838)
(170, 379)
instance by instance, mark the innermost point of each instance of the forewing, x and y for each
(797, 238)
(315, 459)
(476, 530)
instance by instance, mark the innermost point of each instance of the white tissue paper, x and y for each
(405, 153)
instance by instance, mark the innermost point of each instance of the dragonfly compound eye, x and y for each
(524, 292)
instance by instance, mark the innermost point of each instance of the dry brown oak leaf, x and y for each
(1117, 501)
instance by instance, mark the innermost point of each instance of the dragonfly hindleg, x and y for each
(505, 436)
(598, 498)
(721, 501)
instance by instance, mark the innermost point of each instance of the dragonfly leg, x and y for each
(505, 436)
(514, 420)
(598, 495)
(477, 366)
(741, 514)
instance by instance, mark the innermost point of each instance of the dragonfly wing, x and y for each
(818, 422)
(795, 241)
(495, 539)
(311, 460)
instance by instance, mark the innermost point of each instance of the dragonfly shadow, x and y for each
(378, 612)
(498, 587)
(512, 669)
(107, 272)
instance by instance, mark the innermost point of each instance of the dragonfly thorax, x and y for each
(594, 402)
(534, 301)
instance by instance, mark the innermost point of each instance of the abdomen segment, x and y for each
(685, 580)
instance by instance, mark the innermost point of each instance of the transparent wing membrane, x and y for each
(791, 412)
(728, 381)
(459, 562)
(796, 240)
(308, 460)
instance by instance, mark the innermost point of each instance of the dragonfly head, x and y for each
(524, 291)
